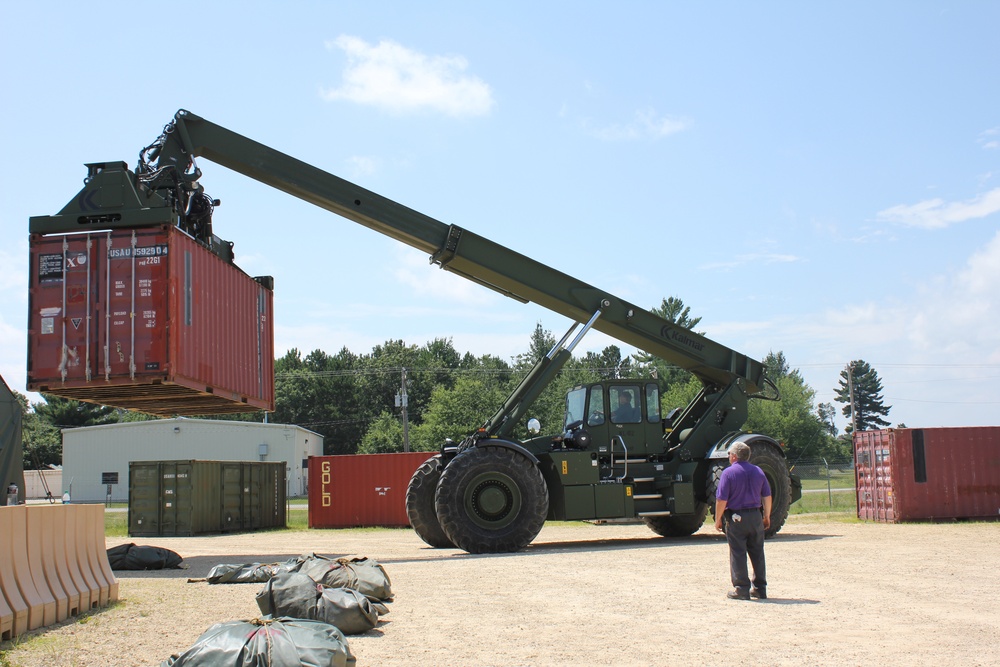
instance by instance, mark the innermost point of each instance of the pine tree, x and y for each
(868, 410)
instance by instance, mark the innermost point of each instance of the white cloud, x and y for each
(390, 76)
(990, 139)
(938, 214)
(753, 258)
(414, 272)
(645, 124)
(361, 165)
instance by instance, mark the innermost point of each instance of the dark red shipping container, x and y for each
(148, 319)
(361, 489)
(913, 474)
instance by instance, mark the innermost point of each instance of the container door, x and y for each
(177, 503)
(143, 500)
(873, 470)
(252, 496)
(65, 291)
(232, 497)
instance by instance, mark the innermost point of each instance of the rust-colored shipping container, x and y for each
(361, 489)
(913, 474)
(148, 319)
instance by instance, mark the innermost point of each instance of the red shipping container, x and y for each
(912, 474)
(361, 489)
(148, 319)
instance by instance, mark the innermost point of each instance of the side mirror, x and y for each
(534, 426)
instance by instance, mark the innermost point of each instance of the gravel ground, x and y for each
(581, 594)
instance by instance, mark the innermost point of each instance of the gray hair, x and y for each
(741, 449)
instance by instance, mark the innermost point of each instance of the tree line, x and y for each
(353, 400)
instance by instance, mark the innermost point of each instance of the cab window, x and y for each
(595, 410)
(625, 402)
(652, 403)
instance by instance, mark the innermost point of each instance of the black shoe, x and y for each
(758, 593)
(736, 595)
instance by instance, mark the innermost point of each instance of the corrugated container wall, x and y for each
(148, 319)
(361, 489)
(182, 498)
(911, 474)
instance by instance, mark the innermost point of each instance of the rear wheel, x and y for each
(491, 500)
(420, 503)
(764, 456)
(677, 526)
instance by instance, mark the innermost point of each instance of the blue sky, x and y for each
(817, 178)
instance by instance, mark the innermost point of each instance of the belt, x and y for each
(744, 509)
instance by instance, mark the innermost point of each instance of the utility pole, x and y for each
(850, 388)
(401, 400)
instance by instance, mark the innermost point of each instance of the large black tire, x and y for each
(775, 467)
(677, 526)
(420, 503)
(491, 500)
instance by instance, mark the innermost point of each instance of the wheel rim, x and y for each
(492, 500)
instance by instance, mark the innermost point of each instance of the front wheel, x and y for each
(491, 500)
(420, 503)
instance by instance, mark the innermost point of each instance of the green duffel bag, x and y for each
(280, 642)
(293, 594)
(362, 574)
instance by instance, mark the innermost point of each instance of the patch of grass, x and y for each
(116, 524)
(837, 501)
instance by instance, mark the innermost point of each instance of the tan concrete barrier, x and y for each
(41, 552)
(53, 564)
(71, 583)
(9, 544)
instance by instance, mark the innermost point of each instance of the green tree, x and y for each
(609, 364)
(457, 412)
(384, 436)
(867, 410)
(320, 392)
(792, 420)
(67, 413)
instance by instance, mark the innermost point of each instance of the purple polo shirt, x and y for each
(742, 485)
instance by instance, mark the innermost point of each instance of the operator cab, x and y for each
(615, 417)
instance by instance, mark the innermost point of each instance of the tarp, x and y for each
(136, 557)
(365, 575)
(282, 642)
(295, 595)
(11, 447)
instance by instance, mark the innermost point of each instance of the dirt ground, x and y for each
(840, 594)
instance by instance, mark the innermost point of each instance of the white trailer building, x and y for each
(96, 458)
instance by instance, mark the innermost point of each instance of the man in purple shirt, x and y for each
(743, 488)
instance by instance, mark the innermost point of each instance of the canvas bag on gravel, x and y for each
(250, 573)
(133, 557)
(281, 642)
(295, 595)
(361, 574)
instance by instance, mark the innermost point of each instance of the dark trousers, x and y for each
(746, 538)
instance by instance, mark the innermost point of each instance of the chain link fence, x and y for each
(827, 485)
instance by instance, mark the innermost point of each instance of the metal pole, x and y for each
(829, 491)
(850, 387)
(406, 422)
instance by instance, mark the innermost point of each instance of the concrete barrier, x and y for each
(53, 565)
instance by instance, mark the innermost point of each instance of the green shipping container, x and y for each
(181, 498)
